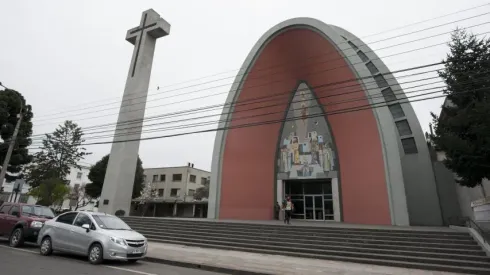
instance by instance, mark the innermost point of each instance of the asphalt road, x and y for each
(27, 260)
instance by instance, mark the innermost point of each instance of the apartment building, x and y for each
(177, 182)
(175, 188)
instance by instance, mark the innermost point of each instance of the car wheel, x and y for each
(95, 254)
(46, 248)
(17, 237)
(132, 261)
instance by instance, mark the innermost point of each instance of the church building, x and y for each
(315, 114)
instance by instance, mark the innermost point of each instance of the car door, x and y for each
(62, 228)
(81, 239)
(4, 211)
(12, 218)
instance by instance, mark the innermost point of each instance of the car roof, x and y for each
(23, 204)
(93, 213)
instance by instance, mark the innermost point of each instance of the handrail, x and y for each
(468, 222)
(484, 234)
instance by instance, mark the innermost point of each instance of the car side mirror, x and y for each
(17, 214)
(86, 227)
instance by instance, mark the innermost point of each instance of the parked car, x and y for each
(22, 222)
(98, 236)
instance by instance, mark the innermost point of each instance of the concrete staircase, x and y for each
(443, 250)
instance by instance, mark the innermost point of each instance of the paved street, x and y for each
(28, 261)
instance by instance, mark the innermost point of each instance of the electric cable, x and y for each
(432, 27)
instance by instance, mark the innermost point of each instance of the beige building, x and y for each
(175, 187)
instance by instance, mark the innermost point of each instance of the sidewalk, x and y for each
(236, 262)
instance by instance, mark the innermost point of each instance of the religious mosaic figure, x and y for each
(306, 143)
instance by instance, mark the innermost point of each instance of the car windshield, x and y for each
(110, 222)
(39, 211)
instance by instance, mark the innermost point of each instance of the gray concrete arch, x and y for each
(386, 127)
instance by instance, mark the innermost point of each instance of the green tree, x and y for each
(52, 191)
(60, 151)
(202, 192)
(97, 175)
(463, 130)
(11, 102)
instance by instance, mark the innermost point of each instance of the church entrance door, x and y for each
(314, 207)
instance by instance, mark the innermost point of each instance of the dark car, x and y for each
(22, 222)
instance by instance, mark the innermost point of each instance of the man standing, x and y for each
(288, 209)
(277, 209)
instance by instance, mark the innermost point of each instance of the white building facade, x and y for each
(76, 179)
(177, 182)
(175, 188)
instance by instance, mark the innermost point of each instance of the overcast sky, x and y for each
(70, 59)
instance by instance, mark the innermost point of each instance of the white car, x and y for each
(98, 236)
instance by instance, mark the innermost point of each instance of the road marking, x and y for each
(129, 270)
(19, 249)
(108, 266)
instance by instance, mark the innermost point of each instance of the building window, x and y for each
(191, 193)
(160, 192)
(363, 56)
(353, 45)
(409, 146)
(372, 68)
(396, 110)
(79, 175)
(155, 178)
(343, 37)
(388, 95)
(177, 177)
(204, 181)
(403, 127)
(174, 192)
(192, 178)
(381, 81)
(162, 178)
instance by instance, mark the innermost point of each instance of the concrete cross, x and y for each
(119, 177)
(151, 24)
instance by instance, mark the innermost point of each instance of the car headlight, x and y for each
(36, 224)
(118, 241)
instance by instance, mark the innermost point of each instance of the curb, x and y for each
(205, 267)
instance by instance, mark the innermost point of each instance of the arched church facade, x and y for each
(316, 115)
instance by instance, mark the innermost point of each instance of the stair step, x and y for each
(473, 250)
(203, 223)
(423, 266)
(446, 250)
(326, 249)
(442, 239)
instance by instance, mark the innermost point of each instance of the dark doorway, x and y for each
(312, 198)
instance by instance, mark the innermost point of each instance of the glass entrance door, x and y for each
(314, 207)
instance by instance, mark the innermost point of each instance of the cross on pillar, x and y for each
(119, 178)
(151, 24)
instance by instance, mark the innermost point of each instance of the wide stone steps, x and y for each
(444, 251)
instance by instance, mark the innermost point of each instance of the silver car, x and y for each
(97, 235)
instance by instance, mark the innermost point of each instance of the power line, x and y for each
(401, 35)
(255, 102)
(379, 58)
(282, 93)
(362, 98)
(379, 95)
(347, 110)
(186, 112)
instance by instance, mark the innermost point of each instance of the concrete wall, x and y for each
(448, 192)
(421, 191)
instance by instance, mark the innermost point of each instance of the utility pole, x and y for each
(11, 146)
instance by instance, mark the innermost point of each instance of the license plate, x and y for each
(136, 251)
